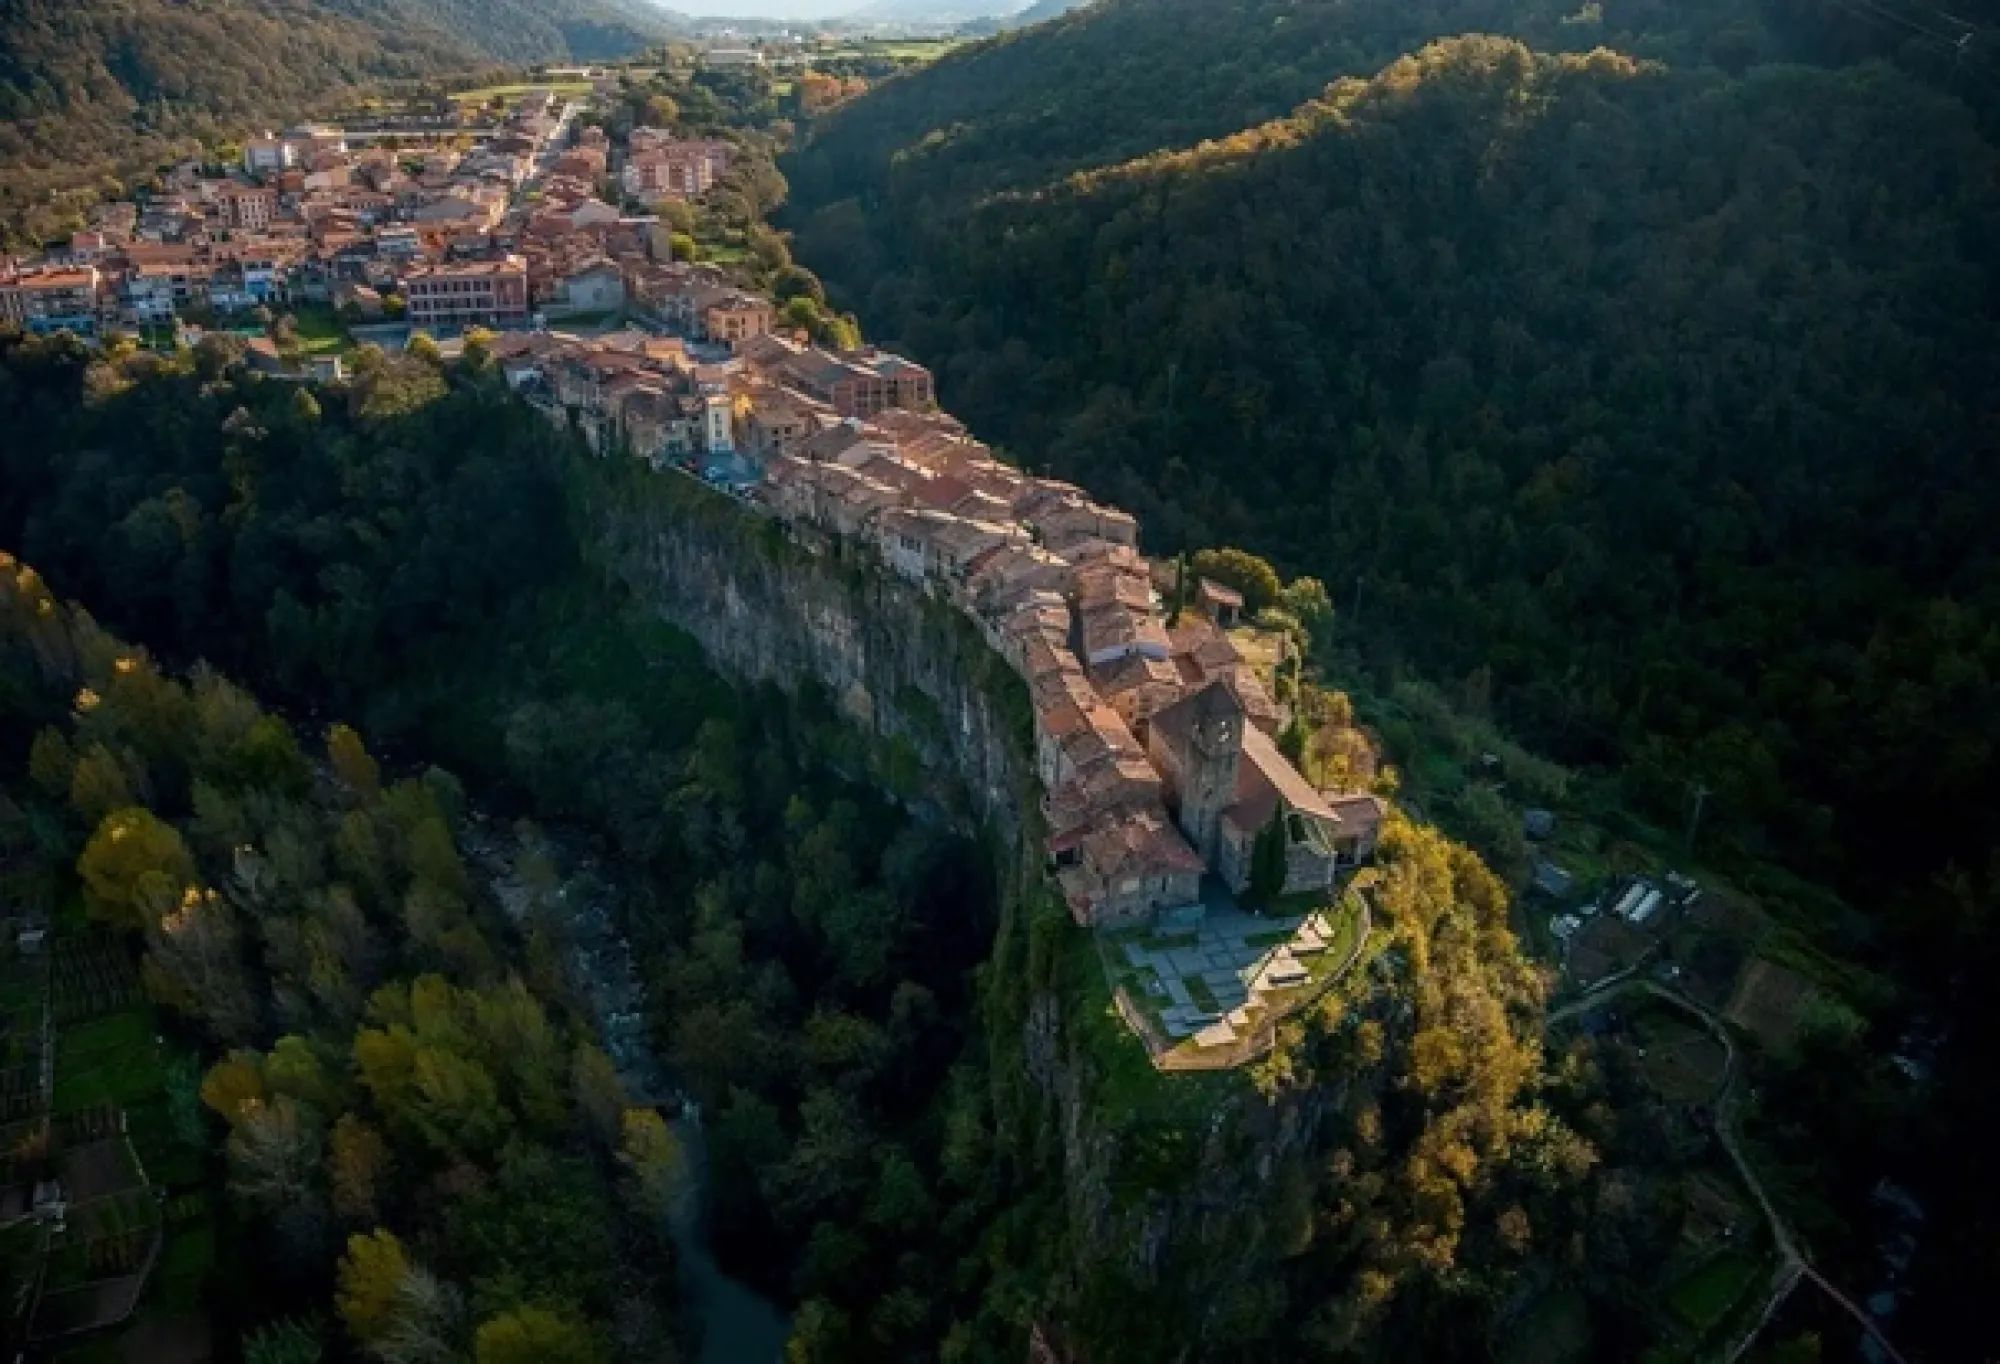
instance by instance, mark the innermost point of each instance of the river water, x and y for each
(737, 1325)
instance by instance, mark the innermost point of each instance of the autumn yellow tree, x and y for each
(134, 868)
(370, 1277)
(357, 1163)
(648, 1148)
(234, 1085)
(352, 764)
(533, 1335)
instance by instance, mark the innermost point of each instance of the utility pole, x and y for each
(1701, 793)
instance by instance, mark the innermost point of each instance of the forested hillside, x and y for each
(422, 1134)
(401, 551)
(1549, 354)
(1641, 397)
(102, 88)
(1127, 77)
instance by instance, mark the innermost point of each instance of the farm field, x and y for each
(916, 51)
(1705, 1295)
(516, 89)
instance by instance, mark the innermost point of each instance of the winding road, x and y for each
(1792, 1263)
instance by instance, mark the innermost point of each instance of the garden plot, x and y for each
(1683, 1063)
(89, 977)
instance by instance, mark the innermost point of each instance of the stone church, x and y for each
(1226, 781)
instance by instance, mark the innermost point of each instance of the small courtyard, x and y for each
(1200, 983)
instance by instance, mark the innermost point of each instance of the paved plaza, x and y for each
(1209, 970)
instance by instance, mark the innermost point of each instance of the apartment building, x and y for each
(246, 207)
(50, 300)
(468, 293)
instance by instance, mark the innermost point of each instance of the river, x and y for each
(737, 1325)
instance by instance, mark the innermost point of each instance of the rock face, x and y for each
(906, 668)
(1162, 1201)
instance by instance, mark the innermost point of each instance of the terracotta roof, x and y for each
(1358, 812)
(1214, 702)
(1263, 779)
(1213, 591)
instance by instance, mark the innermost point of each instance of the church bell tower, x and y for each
(1208, 768)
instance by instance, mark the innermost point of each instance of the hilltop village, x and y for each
(433, 223)
(1156, 741)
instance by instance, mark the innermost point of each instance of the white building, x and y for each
(269, 155)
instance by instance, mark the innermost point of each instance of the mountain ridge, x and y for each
(96, 89)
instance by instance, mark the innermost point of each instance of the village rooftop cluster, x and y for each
(429, 211)
(1155, 740)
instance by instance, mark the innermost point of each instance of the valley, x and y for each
(1310, 754)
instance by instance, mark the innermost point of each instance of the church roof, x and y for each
(1265, 780)
(1212, 703)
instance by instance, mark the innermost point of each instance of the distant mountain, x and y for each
(97, 88)
(942, 13)
(525, 30)
(1042, 10)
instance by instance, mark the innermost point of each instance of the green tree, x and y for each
(283, 1342)
(794, 282)
(1247, 573)
(1267, 860)
(99, 783)
(52, 764)
(274, 1154)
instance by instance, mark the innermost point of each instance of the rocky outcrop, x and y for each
(772, 604)
(1169, 1202)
